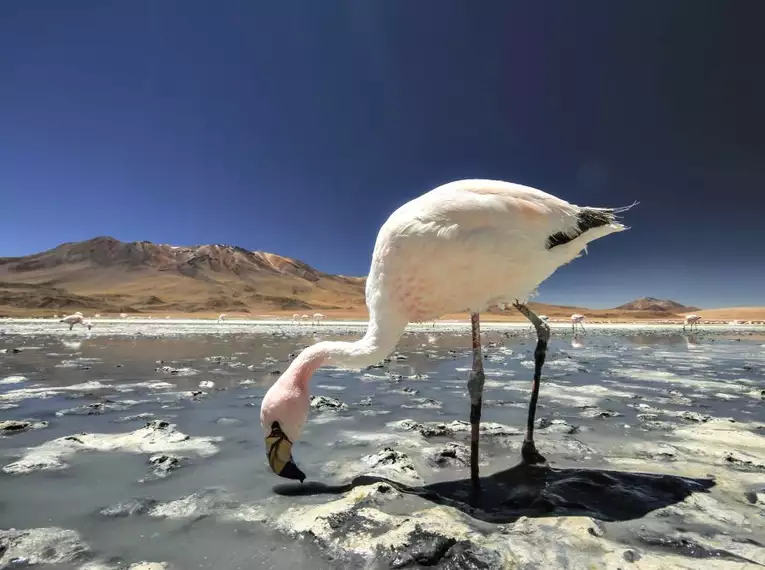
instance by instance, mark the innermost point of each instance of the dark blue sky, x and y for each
(296, 127)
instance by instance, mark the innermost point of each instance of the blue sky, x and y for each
(296, 127)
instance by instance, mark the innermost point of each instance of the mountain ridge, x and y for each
(654, 304)
(142, 275)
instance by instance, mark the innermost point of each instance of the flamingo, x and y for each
(295, 318)
(222, 318)
(577, 319)
(317, 318)
(305, 318)
(123, 315)
(76, 319)
(469, 244)
(692, 320)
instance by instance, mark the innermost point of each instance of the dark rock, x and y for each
(595, 412)
(740, 463)
(95, 409)
(388, 456)
(426, 549)
(12, 427)
(327, 404)
(695, 417)
(164, 464)
(557, 425)
(424, 403)
(451, 454)
(129, 508)
(631, 555)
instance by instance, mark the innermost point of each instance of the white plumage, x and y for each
(692, 321)
(76, 319)
(464, 246)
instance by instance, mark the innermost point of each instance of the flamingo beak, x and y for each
(279, 451)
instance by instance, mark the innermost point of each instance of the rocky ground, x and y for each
(113, 450)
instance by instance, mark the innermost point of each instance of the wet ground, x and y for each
(141, 441)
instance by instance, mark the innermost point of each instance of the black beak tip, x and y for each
(292, 471)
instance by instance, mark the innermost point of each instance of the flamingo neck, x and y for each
(378, 342)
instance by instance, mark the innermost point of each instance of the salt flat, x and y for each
(140, 440)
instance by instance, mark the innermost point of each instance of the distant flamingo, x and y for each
(305, 318)
(693, 321)
(295, 318)
(317, 318)
(123, 315)
(222, 318)
(469, 244)
(577, 319)
(76, 319)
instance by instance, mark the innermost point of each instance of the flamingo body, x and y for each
(76, 319)
(692, 320)
(466, 245)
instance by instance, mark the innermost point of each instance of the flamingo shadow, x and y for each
(540, 491)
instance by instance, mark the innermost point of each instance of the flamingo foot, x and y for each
(530, 455)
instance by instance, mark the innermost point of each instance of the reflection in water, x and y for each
(692, 341)
(577, 342)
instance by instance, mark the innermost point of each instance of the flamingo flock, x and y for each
(467, 244)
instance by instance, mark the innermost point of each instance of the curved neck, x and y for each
(378, 342)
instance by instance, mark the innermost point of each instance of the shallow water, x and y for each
(620, 373)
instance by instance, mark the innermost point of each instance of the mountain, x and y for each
(110, 275)
(653, 304)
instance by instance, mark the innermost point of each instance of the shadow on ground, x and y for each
(541, 491)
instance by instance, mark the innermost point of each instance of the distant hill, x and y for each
(110, 275)
(653, 304)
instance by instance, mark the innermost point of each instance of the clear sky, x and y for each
(296, 127)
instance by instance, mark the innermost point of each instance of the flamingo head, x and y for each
(88, 324)
(284, 411)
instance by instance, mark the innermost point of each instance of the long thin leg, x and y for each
(529, 451)
(475, 389)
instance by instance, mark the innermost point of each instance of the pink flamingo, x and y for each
(693, 321)
(577, 319)
(467, 244)
(76, 319)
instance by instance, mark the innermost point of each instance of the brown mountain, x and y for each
(109, 275)
(653, 304)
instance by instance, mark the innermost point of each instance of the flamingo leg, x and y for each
(475, 388)
(529, 451)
